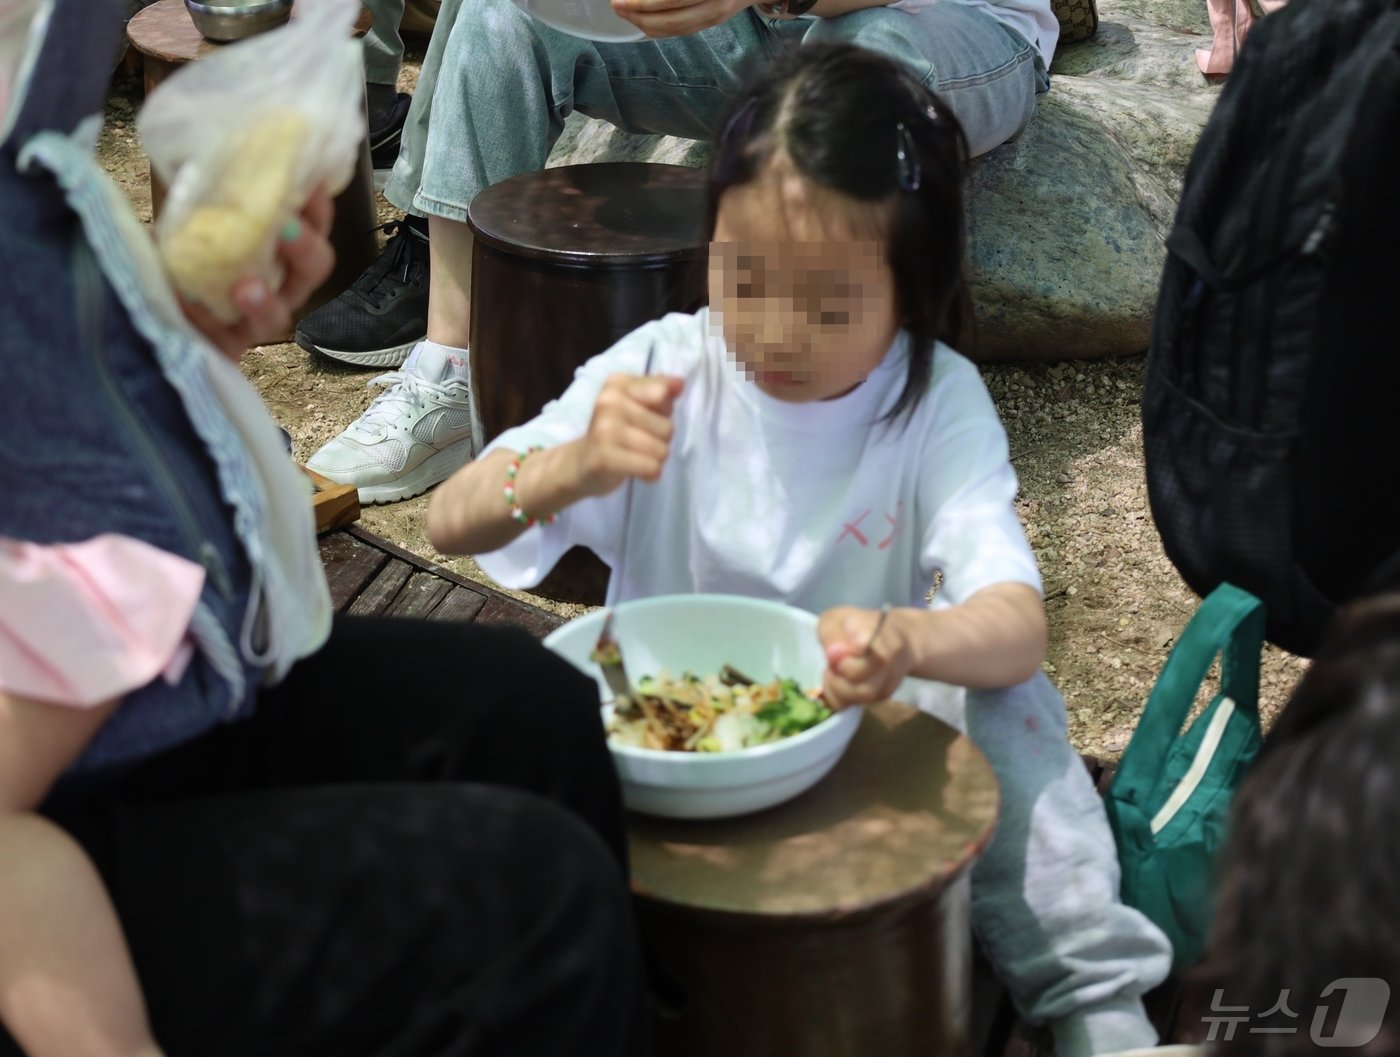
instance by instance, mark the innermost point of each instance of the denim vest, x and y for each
(107, 421)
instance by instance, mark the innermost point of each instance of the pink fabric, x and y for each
(1230, 21)
(87, 622)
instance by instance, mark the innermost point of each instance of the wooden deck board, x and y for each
(380, 592)
(505, 610)
(350, 565)
(369, 576)
(419, 596)
(460, 604)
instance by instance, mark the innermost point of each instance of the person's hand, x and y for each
(307, 258)
(855, 675)
(677, 18)
(629, 434)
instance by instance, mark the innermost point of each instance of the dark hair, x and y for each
(835, 113)
(1310, 879)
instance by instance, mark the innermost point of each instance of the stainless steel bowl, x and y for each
(226, 20)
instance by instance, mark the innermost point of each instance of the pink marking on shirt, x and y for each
(850, 529)
(894, 526)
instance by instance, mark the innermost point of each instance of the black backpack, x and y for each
(1272, 403)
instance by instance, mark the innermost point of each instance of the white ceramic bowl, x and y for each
(590, 19)
(701, 634)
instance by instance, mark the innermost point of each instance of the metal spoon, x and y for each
(884, 612)
(607, 652)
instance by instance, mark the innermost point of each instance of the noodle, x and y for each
(720, 713)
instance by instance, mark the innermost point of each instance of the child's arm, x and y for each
(629, 435)
(995, 639)
(67, 986)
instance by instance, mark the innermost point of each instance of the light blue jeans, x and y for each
(498, 85)
(383, 45)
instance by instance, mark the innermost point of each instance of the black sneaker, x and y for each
(384, 142)
(383, 315)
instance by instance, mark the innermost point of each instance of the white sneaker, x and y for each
(416, 434)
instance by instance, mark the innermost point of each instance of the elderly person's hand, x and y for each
(677, 18)
(306, 255)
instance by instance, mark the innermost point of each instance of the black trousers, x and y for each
(414, 848)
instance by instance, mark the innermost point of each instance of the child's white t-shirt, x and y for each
(815, 504)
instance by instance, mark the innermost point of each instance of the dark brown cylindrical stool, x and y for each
(836, 925)
(167, 39)
(567, 261)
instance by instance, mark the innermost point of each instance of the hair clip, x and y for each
(910, 171)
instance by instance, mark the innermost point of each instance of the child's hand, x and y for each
(855, 675)
(630, 433)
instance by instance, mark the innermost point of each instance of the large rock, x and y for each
(1066, 225)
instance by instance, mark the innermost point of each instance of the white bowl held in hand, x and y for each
(701, 634)
(590, 19)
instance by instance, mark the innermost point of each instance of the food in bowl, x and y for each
(701, 633)
(723, 712)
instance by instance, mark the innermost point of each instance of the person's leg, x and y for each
(379, 319)
(388, 920)
(502, 85)
(420, 856)
(450, 246)
(408, 168)
(1045, 898)
(446, 702)
(987, 74)
(383, 50)
(388, 107)
(498, 111)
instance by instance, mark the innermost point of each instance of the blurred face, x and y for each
(801, 288)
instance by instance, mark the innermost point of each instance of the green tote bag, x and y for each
(1169, 802)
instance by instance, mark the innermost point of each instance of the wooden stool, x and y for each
(836, 925)
(334, 505)
(567, 261)
(166, 37)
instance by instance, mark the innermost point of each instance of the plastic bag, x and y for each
(243, 136)
(22, 27)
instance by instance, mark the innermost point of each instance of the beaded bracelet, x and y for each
(515, 512)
